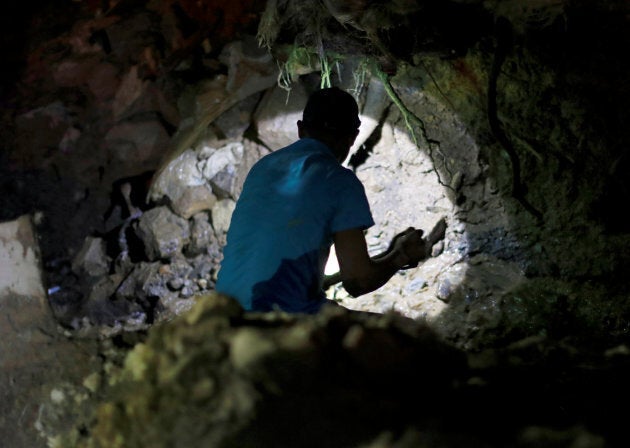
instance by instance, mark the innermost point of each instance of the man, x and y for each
(295, 203)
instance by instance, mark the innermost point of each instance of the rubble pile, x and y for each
(220, 377)
(148, 268)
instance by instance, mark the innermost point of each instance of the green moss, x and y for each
(299, 60)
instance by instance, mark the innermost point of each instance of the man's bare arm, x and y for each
(335, 278)
(361, 274)
(436, 234)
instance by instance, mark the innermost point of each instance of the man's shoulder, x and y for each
(289, 151)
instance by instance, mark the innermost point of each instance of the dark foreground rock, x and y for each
(216, 376)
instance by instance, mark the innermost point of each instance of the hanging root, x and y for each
(504, 35)
(412, 121)
(325, 73)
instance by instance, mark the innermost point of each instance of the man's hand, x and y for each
(361, 273)
(409, 247)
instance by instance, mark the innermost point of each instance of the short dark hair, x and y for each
(332, 110)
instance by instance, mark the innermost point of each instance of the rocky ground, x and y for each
(218, 377)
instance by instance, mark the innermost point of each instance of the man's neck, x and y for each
(334, 146)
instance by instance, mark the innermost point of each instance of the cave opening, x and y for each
(529, 284)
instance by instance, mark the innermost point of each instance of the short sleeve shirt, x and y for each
(292, 203)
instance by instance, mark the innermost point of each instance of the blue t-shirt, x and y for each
(292, 203)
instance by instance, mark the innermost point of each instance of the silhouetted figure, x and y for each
(295, 203)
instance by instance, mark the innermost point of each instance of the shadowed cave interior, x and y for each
(128, 129)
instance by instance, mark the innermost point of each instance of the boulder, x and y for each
(193, 200)
(221, 216)
(235, 121)
(277, 115)
(219, 167)
(20, 264)
(34, 356)
(201, 235)
(102, 308)
(184, 185)
(163, 233)
(92, 258)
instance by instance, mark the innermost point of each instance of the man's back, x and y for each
(293, 201)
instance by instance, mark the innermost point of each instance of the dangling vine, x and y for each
(411, 120)
(504, 40)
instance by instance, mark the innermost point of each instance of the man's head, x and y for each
(332, 116)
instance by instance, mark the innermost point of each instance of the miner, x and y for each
(295, 203)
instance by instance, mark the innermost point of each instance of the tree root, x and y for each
(411, 121)
(504, 40)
